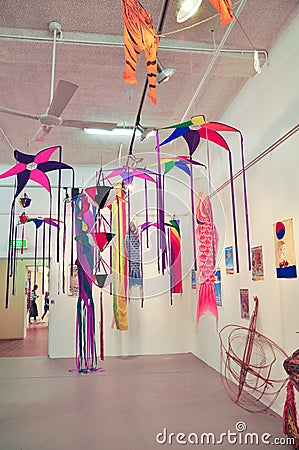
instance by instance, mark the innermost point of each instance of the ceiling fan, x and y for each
(59, 100)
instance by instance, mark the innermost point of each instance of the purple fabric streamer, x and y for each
(111, 251)
(245, 203)
(14, 262)
(129, 229)
(161, 221)
(234, 210)
(63, 247)
(43, 256)
(141, 272)
(146, 211)
(9, 253)
(35, 254)
(193, 217)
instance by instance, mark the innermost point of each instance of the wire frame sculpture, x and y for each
(251, 366)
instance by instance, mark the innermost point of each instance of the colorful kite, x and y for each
(34, 168)
(139, 35)
(208, 244)
(133, 247)
(211, 132)
(175, 257)
(86, 354)
(120, 262)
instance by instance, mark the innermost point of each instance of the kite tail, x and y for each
(207, 299)
(289, 418)
(86, 354)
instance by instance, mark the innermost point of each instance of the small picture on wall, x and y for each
(74, 282)
(244, 302)
(257, 263)
(217, 284)
(229, 260)
(285, 258)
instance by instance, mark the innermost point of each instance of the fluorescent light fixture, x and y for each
(118, 131)
(187, 9)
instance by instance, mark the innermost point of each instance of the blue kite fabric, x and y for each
(133, 248)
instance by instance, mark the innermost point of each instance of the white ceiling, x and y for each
(205, 82)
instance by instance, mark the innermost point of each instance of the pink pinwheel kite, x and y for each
(33, 167)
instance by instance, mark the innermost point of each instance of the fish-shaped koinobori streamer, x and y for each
(208, 244)
(139, 35)
(34, 168)
(211, 132)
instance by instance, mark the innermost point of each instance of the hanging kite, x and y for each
(34, 168)
(192, 131)
(133, 247)
(139, 35)
(208, 244)
(86, 352)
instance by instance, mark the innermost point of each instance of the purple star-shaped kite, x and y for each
(34, 167)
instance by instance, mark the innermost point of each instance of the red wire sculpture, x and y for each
(251, 366)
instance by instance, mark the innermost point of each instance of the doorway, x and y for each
(17, 338)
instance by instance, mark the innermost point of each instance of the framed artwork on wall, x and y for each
(229, 260)
(217, 285)
(257, 263)
(285, 258)
(244, 303)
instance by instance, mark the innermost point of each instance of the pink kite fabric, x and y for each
(207, 238)
(176, 284)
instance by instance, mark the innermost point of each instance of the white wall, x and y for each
(264, 111)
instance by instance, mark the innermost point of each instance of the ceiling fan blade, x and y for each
(88, 124)
(41, 133)
(62, 95)
(18, 113)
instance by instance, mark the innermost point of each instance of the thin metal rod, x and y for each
(213, 61)
(53, 66)
(268, 150)
(137, 120)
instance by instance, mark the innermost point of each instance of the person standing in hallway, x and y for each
(33, 312)
(46, 305)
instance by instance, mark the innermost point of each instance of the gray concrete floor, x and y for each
(45, 407)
